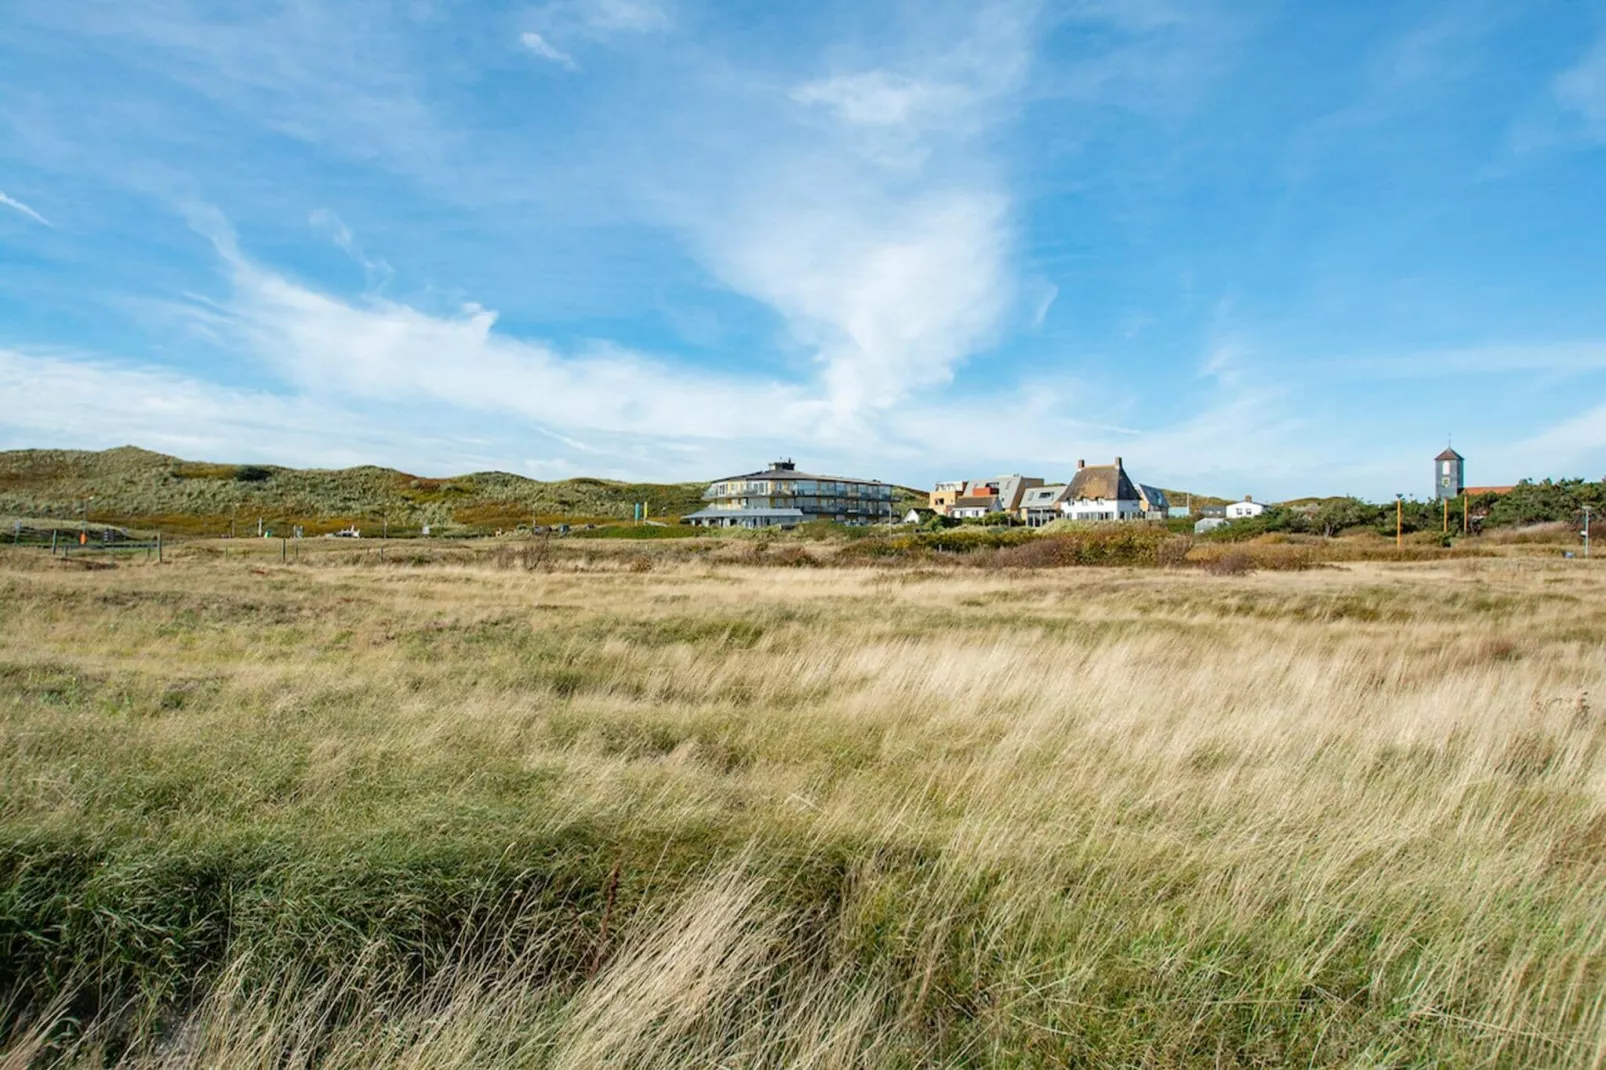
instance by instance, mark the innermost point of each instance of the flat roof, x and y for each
(788, 473)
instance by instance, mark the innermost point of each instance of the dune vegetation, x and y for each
(134, 488)
(657, 809)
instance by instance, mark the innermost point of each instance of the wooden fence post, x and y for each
(158, 547)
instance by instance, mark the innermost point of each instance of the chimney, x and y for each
(1249, 497)
(1080, 465)
(785, 465)
(1118, 462)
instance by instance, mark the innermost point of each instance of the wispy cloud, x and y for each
(1580, 91)
(12, 202)
(599, 18)
(376, 272)
(623, 16)
(1558, 358)
(866, 212)
(388, 350)
(541, 47)
(1581, 437)
(87, 402)
(882, 98)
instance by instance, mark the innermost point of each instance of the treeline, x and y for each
(1527, 503)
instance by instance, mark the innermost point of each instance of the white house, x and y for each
(1245, 509)
(1102, 492)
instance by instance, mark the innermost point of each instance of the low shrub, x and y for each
(1234, 562)
(991, 547)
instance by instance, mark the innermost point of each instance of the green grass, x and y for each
(710, 814)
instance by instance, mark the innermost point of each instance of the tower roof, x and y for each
(1449, 455)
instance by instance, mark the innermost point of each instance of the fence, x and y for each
(66, 543)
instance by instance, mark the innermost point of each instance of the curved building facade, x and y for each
(781, 496)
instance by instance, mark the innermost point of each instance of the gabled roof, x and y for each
(1449, 455)
(974, 503)
(1107, 481)
(1154, 496)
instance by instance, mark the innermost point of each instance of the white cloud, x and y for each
(624, 16)
(339, 76)
(1577, 439)
(1581, 90)
(541, 47)
(375, 271)
(12, 202)
(85, 402)
(880, 98)
(602, 19)
(866, 212)
(892, 292)
(1560, 358)
(391, 351)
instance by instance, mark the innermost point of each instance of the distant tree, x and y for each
(250, 473)
(1538, 503)
(1336, 514)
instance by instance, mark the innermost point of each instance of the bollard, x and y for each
(52, 544)
(158, 547)
(284, 550)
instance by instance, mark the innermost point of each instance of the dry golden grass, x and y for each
(715, 815)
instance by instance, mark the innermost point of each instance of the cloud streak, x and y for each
(543, 48)
(12, 202)
(1581, 91)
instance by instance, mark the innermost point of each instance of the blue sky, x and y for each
(1252, 248)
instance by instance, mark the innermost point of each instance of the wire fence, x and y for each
(69, 542)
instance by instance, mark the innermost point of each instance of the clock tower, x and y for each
(1449, 475)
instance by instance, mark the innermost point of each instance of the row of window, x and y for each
(807, 505)
(803, 487)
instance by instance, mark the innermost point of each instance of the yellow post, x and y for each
(1466, 528)
(1399, 522)
(1447, 516)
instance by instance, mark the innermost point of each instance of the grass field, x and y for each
(651, 809)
